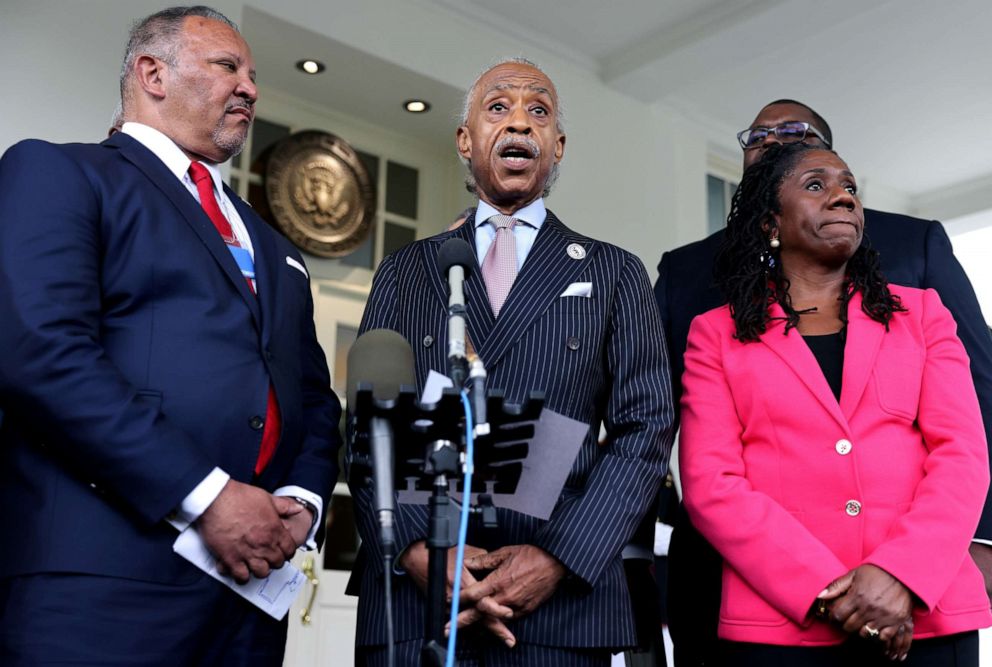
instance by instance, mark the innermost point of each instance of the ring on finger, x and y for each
(870, 632)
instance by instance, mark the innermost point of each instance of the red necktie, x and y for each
(273, 420)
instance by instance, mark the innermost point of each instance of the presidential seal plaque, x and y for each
(320, 193)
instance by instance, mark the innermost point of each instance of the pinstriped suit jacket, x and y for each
(617, 374)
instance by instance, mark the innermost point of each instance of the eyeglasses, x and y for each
(787, 133)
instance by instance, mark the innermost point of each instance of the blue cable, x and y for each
(462, 530)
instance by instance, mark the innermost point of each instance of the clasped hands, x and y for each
(870, 602)
(517, 580)
(252, 531)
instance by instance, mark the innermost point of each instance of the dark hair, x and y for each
(159, 35)
(746, 269)
(821, 122)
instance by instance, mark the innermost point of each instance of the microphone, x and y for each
(455, 261)
(384, 359)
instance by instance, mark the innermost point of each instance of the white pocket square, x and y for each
(578, 289)
(299, 267)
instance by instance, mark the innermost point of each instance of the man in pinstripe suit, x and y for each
(580, 324)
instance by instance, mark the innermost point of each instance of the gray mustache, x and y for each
(519, 142)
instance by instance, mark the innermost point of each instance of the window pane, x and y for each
(362, 256)
(264, 135)
(236, 184)
(342, 534)
(401, 189)
(716, 210)
(396, 237)
(371, 163)
(345, 338)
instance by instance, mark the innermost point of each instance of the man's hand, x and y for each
(242, 528)
(414, 561)
(522, 578)
(982, 555)
(295, 517)
(869, 598)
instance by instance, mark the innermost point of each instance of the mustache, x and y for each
(240, 103)
(519, 142)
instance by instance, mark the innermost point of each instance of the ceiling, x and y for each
(355, 82)
(905, 84)
(906, 87)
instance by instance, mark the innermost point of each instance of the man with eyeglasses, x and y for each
(913, 252)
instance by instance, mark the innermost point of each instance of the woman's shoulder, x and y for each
(915, 296)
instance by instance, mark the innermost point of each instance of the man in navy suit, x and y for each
(913, 252)
(572, 317)
(159, 369)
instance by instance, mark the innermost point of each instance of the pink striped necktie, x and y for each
(499, 268)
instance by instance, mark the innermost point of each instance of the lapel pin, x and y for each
(576, 251)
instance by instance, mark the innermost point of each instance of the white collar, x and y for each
(533, 213)
(166, 150)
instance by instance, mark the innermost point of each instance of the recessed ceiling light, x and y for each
(417, 106)
(310, 66)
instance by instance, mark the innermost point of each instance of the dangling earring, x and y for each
(774, 243)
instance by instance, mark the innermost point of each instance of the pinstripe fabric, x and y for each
(494, 655)
(598, 359)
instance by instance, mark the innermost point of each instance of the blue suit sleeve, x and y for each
(945, 275)
(54, 373)
(316, 466)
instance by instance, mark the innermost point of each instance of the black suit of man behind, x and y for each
(913, 252)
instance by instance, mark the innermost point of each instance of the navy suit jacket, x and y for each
(134, 358)
(598, 359)
(913, 252)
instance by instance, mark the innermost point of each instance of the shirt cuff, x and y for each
(199, 499)
(313, 499)
(662, 538)
(978, 540)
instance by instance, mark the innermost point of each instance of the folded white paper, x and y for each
(273, 595)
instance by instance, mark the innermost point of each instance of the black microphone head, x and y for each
(455, 252)
(382, 358)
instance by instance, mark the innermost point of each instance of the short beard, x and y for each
(229, 143)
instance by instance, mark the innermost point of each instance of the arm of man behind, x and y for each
(945, 275)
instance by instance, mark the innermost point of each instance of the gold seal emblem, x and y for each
(320, 193)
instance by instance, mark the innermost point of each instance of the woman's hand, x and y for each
(870, 602)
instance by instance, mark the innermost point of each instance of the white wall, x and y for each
(632, 174)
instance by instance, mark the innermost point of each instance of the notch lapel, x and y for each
(795, 353)
(480, 315)
(268, 272)
(545, 274)
(864, 339)
(190, 211)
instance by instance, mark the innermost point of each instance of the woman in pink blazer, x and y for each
(832, 447)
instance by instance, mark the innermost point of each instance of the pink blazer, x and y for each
(795, 490)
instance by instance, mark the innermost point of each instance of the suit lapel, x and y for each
(190, 211)
(864, 338)
(795, 353)
(480, 315)
(266, 259)
(545, 274)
